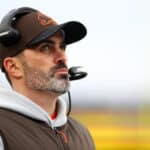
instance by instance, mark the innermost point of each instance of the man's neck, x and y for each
(46, 100)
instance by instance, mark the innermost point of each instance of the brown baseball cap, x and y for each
(35, 27)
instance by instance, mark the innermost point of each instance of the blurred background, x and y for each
(113, 101)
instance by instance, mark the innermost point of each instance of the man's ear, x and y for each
(13, 67)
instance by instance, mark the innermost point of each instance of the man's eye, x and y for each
(44, 47)
(63, 46)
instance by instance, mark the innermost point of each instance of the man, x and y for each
(32, 55)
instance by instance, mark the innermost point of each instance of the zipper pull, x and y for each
(62, 134)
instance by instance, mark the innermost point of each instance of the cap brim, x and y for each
(74, 31)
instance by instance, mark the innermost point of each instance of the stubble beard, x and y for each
(38, 80)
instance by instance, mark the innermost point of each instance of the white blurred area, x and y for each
(115, 52)
(3, 81)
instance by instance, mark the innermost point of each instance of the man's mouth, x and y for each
(62, 71)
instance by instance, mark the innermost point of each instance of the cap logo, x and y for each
(45, 20)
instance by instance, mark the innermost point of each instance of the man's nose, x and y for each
(60, 57)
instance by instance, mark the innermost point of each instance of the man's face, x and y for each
(44, 66)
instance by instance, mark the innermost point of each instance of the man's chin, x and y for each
(63, 76)
(60, 91)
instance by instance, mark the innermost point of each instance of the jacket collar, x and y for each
(14, 101)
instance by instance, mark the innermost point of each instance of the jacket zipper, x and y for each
(63, 137)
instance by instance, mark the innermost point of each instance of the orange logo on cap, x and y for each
(45, 20)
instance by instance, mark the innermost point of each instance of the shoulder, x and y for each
(80, 129)
(5, 116)
(10, 119)
(81, 133)
(77, 125)
(7, 120)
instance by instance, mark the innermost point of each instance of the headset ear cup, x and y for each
(8, 35)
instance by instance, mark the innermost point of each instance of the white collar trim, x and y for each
(16, 102)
